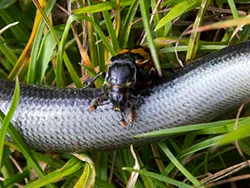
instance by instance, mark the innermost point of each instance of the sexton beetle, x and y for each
(129, 72)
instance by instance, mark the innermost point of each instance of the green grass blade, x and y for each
(244, 146)
(117, 18)
(46, 19)
(111, 30)
(101, 7)
(191, 150)
(233, 8)
(64, 56)
(171, 2)
(34, 69)
(176, 11)
(102, 163)
(148, 30)
(6, 3)
(87, 178)
(223, 24)
(72, 166)
(45, 53)
(154, 3)
(200, 146)
(178, 165)
(73, 74)
(188, 128)
(93, 42)
(84, 180)
(227, 128)
(239, 133)
(95, 8)
(159, 177)
(39, 156)
(101, 183)
(10, 15)
(8, 182)
(61, 52)
(8, 53)
(209, 48)
(194, 37)
(127, 25)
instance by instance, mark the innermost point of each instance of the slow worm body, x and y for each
(53, 119)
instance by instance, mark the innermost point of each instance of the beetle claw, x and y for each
(123, 123)
(95, 103)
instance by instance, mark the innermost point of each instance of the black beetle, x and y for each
(129, 71)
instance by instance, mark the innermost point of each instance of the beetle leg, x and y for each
(93, 105)
(95, 102)
(150, 76)
(123, 122)
(136, 101)
(152, 71)
(98, 102)
(105, 90)
(92, 80)
(132, 115)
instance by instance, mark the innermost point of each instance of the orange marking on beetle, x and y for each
(141, 51)
(123, 51)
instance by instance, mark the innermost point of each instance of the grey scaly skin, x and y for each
(52, 119)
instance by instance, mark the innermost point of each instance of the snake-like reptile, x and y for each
(53, 119)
